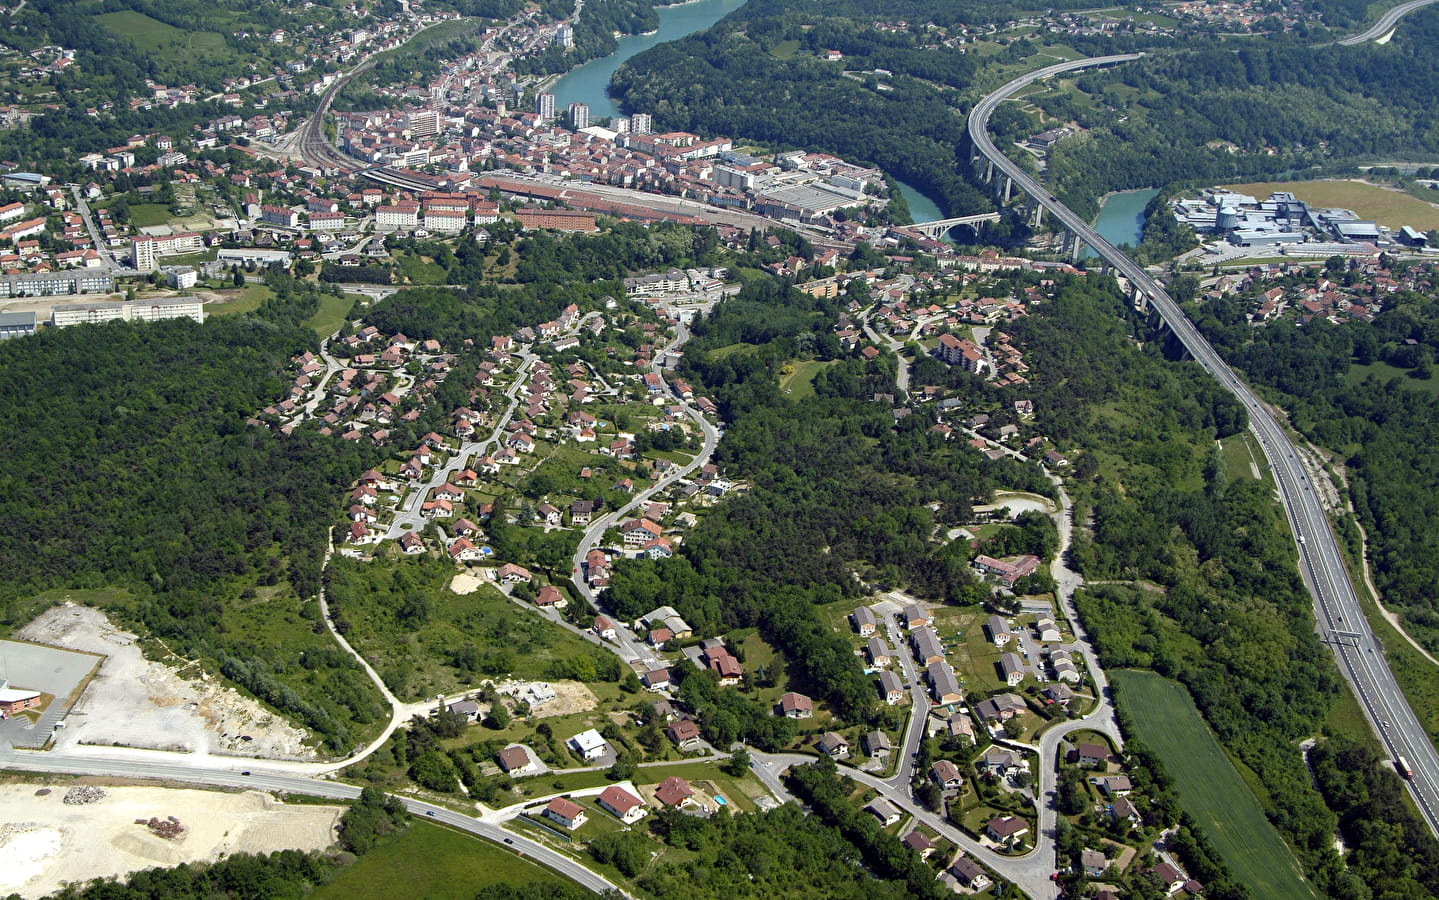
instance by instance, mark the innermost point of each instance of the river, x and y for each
(921, 208)
(588, 83)
(1121, 218)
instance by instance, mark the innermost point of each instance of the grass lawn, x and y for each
(729, 349)
(784, 50)
(972, 656)
(1383, 371)
(242, 300)
(1242, 458)
(799, 383)
(147, 215)
(434, 862)
(419, 270)
(331, 314)
(1209, 786)
(413, 661)
(1382, 205)
(151, 35)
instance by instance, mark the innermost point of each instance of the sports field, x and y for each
(1209, 786)
(1370, 201)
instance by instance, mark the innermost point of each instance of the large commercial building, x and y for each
(545, 106)
(132, 311)
(239, 256)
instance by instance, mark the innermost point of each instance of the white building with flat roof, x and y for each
(69, 314)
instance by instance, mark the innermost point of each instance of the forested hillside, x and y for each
(1220, 111)
(1384, 429)
(727, 81)
(128, 463)
(836, 487)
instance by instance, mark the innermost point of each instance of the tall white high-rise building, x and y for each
(545, 105)
(620, 124)
(640, 123)
(565, 37)
(579, 116)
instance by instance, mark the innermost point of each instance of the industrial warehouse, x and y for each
(1285, 222)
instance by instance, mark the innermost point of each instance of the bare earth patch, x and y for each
(135, 702)
(46, 842)
(465, 583)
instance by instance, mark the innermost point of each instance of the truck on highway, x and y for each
(1402, 765)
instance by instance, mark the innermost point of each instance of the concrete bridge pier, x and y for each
(988, 171)
(1008, 187)
(1038, 214)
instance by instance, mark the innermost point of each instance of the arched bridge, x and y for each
(940, 227)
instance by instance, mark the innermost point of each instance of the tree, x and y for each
(499, 717)
(434, 770)
(739, 762)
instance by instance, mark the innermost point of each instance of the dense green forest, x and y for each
(129, 464)
(1219, 112)
(1384, 429)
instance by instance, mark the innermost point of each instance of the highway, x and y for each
(1341, 621)
(1386, 23)
(257, 779)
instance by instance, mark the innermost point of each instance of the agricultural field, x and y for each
(1370, 201)
(1209, 785)
(432, 861)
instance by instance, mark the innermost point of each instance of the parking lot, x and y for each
(48, 670)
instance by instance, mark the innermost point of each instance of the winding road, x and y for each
(1341, 621)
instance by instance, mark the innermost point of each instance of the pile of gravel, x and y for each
(83, 794)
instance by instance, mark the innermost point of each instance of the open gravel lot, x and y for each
(135, 702)
(46, 842)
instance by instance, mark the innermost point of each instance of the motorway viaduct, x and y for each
(1339, 616)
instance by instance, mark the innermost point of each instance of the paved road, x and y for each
(267, 781)
(1385, 24)
(409, 514)
(629, 646)
(1338, 613)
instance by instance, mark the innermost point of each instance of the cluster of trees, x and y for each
(283, 875)
(1390, 851)
(782, 853)
(594, 33)
(1384, 426)
(821, 788)
(129, 464)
